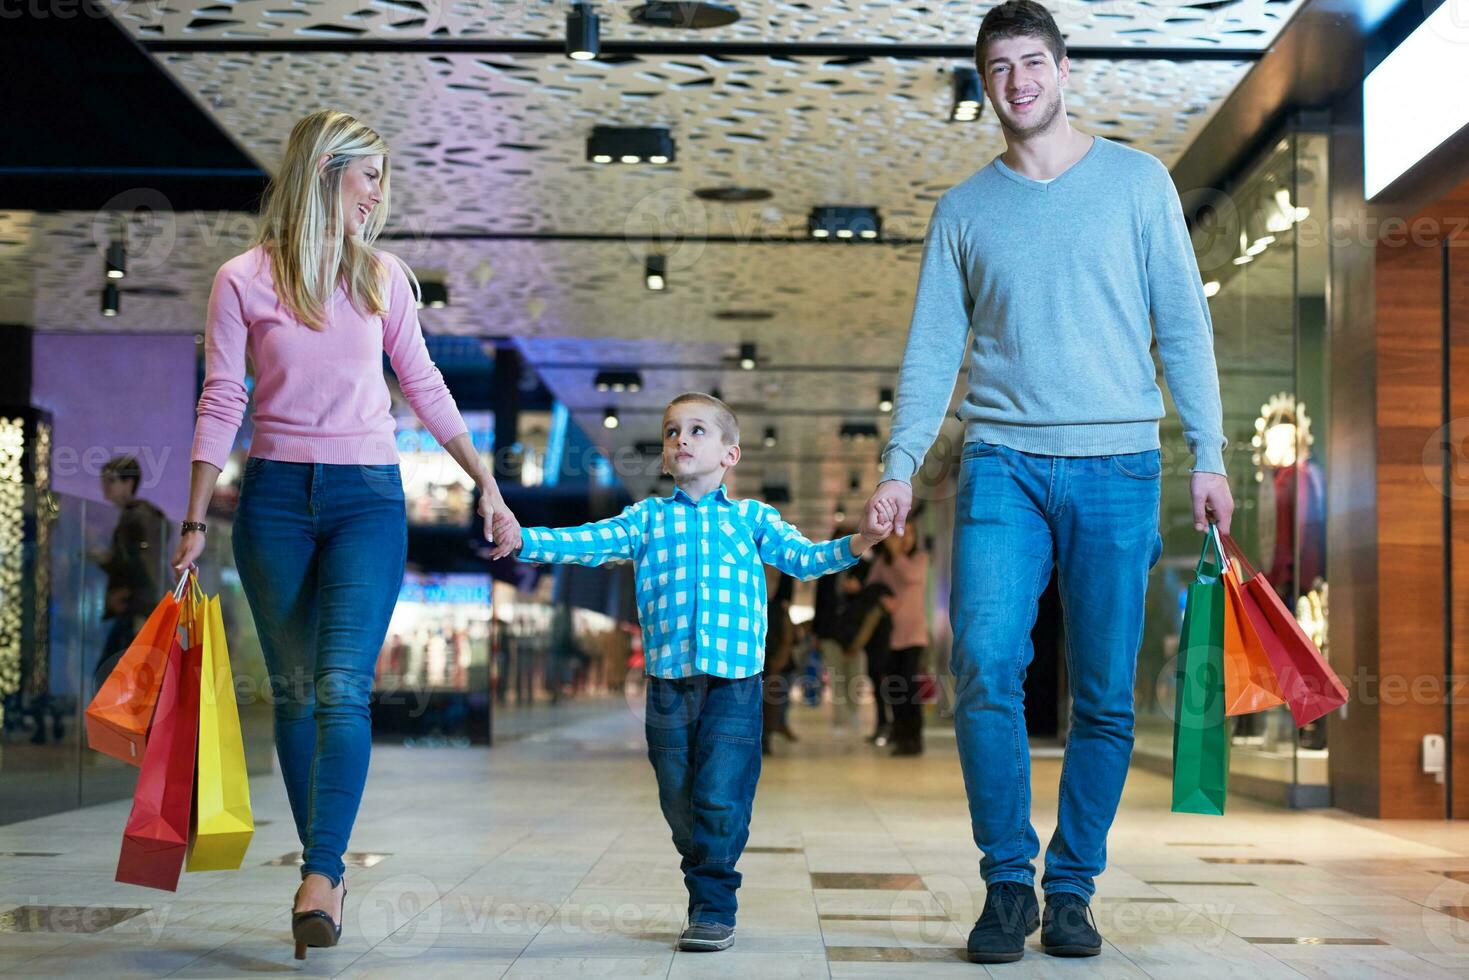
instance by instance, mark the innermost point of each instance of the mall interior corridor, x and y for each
(547, 857)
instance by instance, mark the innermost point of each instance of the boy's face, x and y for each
(693, 443)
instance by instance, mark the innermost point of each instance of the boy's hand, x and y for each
(877, 521)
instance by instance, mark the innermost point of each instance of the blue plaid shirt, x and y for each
(699, 573)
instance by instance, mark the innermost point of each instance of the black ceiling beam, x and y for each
(723, 49)
(751, 409)
(626, 366)
(575, 236)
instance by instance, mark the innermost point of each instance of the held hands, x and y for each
(1213, 503)
(877, 524)
(501, 527)
(889, 505)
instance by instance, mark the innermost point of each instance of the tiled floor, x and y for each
(547, 857)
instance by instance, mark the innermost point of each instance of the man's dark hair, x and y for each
(1018, 18)
(123, 468)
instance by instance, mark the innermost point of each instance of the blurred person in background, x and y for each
(131, 562)
(902, 566)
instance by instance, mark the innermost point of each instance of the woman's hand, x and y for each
(191, 546)
(501, 527)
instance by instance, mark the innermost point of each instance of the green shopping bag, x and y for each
(1200, 729)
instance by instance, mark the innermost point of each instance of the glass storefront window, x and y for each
(1262, 252)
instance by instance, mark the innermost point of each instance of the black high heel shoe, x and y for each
(315, 928)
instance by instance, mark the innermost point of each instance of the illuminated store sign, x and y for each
(1414, 100)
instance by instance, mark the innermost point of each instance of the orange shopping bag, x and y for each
(1249, 680)
(119, 716)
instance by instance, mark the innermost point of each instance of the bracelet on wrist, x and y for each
(187, 526)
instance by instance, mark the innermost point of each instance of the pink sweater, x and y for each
(907, 576)
(320, 395)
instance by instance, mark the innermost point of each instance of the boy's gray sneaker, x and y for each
(706, 937)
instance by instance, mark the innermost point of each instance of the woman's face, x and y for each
(362, 191)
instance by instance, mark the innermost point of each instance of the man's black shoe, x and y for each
(1011, 913)
(1069, 928)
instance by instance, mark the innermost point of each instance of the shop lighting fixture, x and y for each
(117, 260)
(968, 95)
(630, 144)
(583, 32)
(748, 359)
(844, 222)
(655, 273)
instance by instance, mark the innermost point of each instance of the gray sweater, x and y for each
(1056, 282)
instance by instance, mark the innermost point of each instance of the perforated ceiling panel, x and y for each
(1236, 23)
(499, 143)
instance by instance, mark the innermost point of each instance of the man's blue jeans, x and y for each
(704, 743)
(320, 550)
(1094, 519)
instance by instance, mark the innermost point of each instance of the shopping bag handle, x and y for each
(190, 575)
(1211, 540)
(1233, 549)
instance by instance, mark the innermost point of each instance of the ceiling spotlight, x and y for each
(844, 222)
(747, 357)
(434, 295)
(109, 299)
(968, 95)
(859, 430)
(854, 482)
(618, 381)
(655, 272)
(716, 393)
(630, 144)
(117, 260)
(609, 419)
(1211, 288)
(583, 32)
(770, 437)
(885, 400)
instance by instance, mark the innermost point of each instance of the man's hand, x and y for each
(893, 498)
(1213, 503)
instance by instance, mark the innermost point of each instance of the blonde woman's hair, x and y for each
(301, 220)
(724, 416)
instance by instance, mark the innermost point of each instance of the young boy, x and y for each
(700, 586)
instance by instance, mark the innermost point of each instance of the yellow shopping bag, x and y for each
(223, 821)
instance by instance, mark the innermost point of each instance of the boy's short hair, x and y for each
(1018, 18)
(724, 416)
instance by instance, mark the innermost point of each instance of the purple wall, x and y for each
(117, 394)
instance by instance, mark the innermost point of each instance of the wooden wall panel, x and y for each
(1459, 501)
(1410, 531)
(1423, 521)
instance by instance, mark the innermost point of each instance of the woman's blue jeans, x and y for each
(320, 550)
(1094, 519)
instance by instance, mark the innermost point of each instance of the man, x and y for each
(1054, 256)
(132, 561)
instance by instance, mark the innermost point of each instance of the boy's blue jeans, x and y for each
(1017, 516)
(704, 743)
(320, 550)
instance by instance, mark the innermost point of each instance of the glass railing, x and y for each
(77, 578)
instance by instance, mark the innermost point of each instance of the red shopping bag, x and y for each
(1249, 676)
(119, 715)
(1309, 686)
(157, 834)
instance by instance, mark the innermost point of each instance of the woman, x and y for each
(903, 567)
(320, 533)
